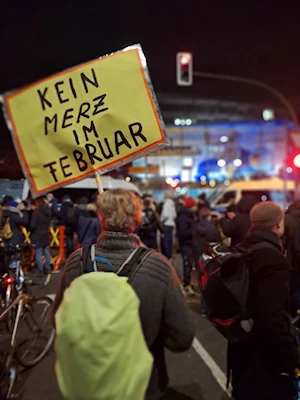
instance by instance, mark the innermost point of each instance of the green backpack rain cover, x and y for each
(100, 347)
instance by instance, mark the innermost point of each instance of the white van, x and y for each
(265, 189)
(86, 188)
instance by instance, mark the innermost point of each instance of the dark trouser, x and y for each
(69, 244)
(197, 259)
(149, 239)
(187, 258)
(295, 290)
(152, 242)
(167, 242)
(253, 378)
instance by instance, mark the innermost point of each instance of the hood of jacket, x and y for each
(258, 235)
(7, 212)
(245, 204)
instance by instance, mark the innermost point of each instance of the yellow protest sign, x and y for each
(90, 118)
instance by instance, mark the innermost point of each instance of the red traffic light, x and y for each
(184, 67)
(185, 58)
(296, 161)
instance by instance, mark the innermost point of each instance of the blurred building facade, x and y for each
(208, 139)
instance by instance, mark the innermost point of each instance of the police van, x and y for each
(272, 189)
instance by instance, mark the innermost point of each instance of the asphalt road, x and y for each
(198, 374)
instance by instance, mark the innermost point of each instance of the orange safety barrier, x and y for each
(61, 254)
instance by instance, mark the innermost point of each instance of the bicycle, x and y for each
(32, 335)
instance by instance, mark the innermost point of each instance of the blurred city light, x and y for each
(289, 170)
(127, 179)
(221, 163)
(169, 180)
(296, 161)
(178, 189)
(227, 182)
(268, 115)
(188, 162)
(212, 183)
(237, 162)
(183, 122)
(203, 178)
(184, 190)
(264, 198)
(224, 139)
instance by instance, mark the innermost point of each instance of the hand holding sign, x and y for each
(93, 117)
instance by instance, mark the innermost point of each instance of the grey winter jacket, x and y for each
(164, 315)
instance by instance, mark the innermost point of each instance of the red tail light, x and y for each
(8, 280)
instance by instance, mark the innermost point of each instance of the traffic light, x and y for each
(184, 66)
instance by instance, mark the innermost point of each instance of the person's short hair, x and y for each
(6, 199)
(202, 196)
(147, 196)
(204, 213)
(147, 202)
(40, 201)
(120, 210)
(266, 215)
(82, 201)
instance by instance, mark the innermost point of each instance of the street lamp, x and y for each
(268, 115)
(221, 163)
(237, 162)
(224, 139)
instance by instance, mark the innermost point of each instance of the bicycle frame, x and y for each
(21, 301)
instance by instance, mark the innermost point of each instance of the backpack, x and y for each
(223, 280)
(6, 232)
(100, 346)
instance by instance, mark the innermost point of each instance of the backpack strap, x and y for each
(95, 258)
(86, 259)
(128, 268)
(134, 262)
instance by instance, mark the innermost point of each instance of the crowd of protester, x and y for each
(118, 223)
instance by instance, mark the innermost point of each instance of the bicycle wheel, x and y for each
(35, 332)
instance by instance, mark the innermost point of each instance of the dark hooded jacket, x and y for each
(16, 220)
(185, 223)
(39, 226)
(66, 216)
(292, 228)
(238, 227)
(87, 225)
(204, 232)
(257, 362)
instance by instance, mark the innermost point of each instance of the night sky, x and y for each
(255, 39)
